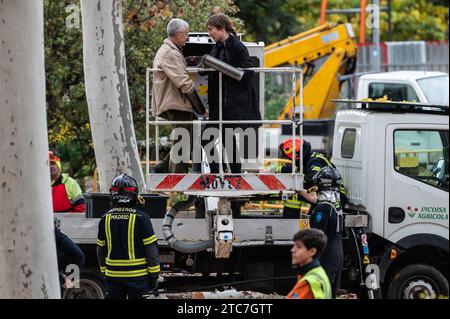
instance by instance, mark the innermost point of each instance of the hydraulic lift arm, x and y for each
(324, 52)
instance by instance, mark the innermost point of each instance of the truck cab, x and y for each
(419, 86)
(395, 165)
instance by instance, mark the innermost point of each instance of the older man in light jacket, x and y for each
(172, 88)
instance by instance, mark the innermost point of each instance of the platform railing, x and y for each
(246, 183)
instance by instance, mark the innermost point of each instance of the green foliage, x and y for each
(67, 113)
(418, 20)
(276, 95)
(272, 21)
(411, 19)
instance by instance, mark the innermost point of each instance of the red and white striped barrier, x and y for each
(227, 182)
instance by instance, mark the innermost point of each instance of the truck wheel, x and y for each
(91, 286)
(418, 281)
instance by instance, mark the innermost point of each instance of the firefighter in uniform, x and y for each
(127, 247)
(292, 206)
(286, 151)
(316, 162)
(327, 217)
(312, 163)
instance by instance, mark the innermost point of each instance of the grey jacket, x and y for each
(170, 84)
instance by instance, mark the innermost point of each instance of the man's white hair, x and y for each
(176, 25)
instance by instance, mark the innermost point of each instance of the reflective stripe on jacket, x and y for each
(125, 232)
(293, 202)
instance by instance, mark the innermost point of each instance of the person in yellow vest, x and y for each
(312, 281)
(66, 193)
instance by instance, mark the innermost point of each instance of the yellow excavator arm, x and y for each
(335, 45)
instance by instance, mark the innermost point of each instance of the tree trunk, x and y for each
(28, 266)
(107, 91)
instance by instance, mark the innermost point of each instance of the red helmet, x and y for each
(288, 148)
(52, 157)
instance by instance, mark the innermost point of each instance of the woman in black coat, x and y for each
(239, 98)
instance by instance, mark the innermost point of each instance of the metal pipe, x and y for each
(301, 129)
(147, 126)
(294, 98)
(222, 67)
(157, 141)
(376, 51)
(196, 103)
(389, 10)
(323, 12)
(169, 236)
(220, 126)
(351, 11)
(225, 122)
(257, 70)
(362, 22)
(157, 123)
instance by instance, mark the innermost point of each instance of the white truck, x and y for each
(394, 161)
(252, 250)
(395, 165)
(420, 86)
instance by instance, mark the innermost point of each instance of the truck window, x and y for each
(394, 91)
(423, 155)
(348, 143)
(435, 89)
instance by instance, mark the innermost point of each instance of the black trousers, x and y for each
(332, 261)
(133, 289)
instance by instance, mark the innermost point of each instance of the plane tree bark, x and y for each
(107, 95)
(28, 265)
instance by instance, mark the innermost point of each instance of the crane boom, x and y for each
(324, 52)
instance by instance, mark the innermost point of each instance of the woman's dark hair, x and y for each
(221, 21)
(312, 238)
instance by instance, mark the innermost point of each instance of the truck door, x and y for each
(417, 180)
